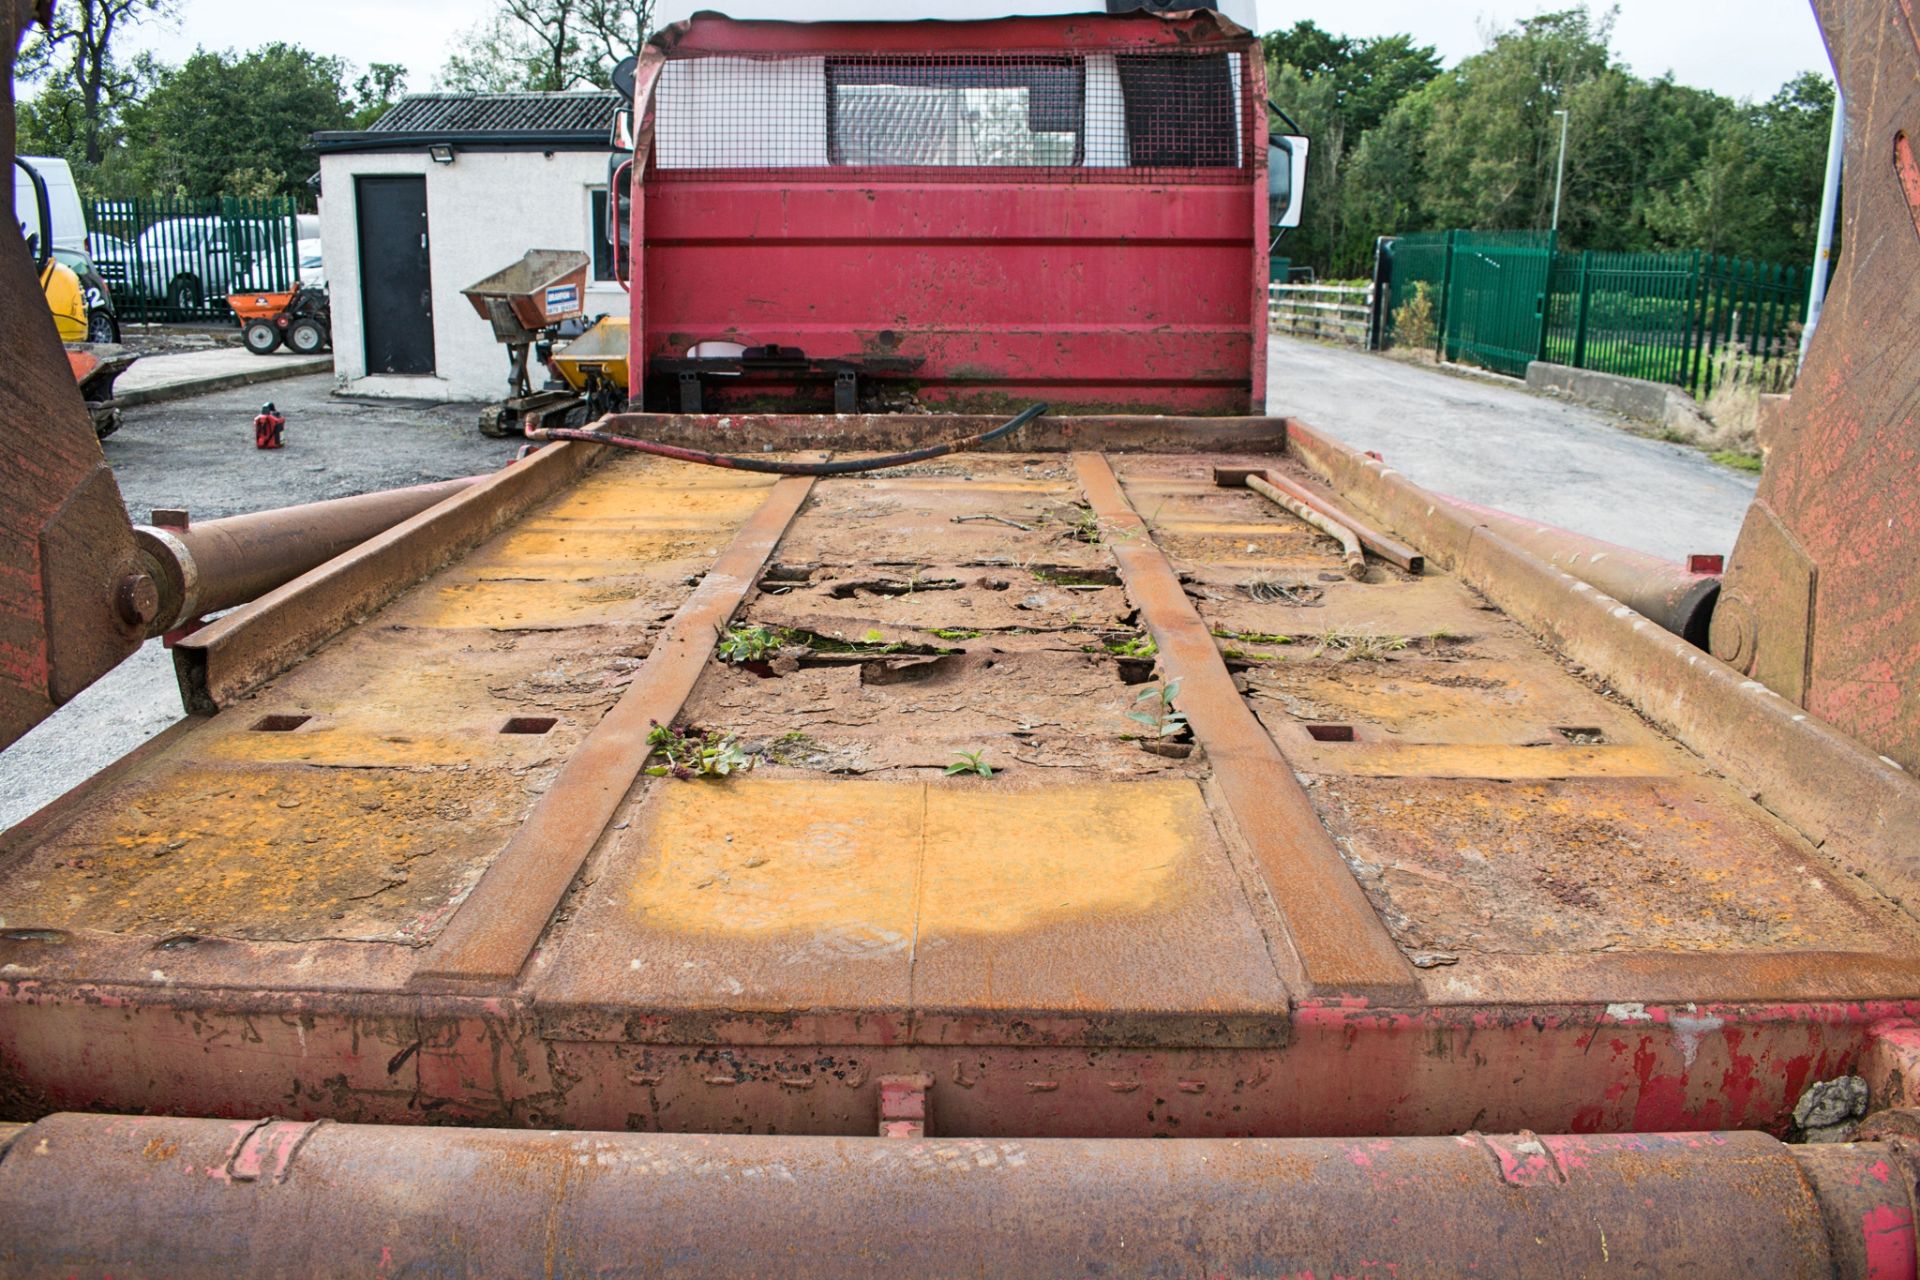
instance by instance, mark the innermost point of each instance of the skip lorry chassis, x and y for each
(1365, 885)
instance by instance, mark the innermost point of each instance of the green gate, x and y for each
(1496, 313)
(1415, 260)
(177, 259)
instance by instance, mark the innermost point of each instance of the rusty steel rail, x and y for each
(1860, 807)
(1340, 942)
(135, 1195)
(241, 651)
(494, 931)
(213, 565)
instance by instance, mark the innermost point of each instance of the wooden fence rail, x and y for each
(1333, 312)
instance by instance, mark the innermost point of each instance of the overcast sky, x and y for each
(1743, 48)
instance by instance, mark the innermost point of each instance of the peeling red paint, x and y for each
(1888, 1232)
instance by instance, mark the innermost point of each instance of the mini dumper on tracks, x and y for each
(532, 305)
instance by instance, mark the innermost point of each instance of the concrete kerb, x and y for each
(1654, 402)
(272, 369)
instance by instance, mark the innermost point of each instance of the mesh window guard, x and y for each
(1072, 117)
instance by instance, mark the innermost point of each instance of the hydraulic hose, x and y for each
(849, 466)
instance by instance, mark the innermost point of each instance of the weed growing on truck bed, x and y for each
(1357, 646)
(687, 752)
(973, 762)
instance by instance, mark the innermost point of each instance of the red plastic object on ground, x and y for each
(267, 427)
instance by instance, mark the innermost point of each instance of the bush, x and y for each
(1413, 319)
(1740, 379)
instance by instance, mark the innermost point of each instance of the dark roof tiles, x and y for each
(583, 111)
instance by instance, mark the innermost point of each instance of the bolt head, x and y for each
(137, 599)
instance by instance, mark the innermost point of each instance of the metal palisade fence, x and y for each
(174, 259)
(1504, 299)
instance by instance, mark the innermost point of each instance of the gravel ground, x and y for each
(199, 454)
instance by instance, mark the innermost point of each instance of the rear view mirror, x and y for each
(623, 77)
(1286, 180)
(623, 130)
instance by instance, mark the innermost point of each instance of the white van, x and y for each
(69, 219)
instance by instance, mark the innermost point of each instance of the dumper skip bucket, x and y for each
(545, 287)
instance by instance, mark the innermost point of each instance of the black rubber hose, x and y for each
(849, 466)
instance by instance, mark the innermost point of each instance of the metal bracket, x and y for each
(689, 391)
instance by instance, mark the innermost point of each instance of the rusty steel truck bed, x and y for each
(1390, 862)
(1137, 845)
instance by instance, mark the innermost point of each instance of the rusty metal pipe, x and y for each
(1669, 594)
(1392, 550)
(203, 568)
(134, 1196)
(1349, 541)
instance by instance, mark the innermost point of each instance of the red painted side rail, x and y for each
(136, 1195)
(715, 33)
(1337, 1068)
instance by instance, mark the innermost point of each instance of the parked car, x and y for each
(183, 261)
(112, 258)
(186, 262)
(313, 271)
(69, 231)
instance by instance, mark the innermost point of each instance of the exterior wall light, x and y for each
(442, 152)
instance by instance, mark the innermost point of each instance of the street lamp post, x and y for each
(1560, 177)
(1829, 214)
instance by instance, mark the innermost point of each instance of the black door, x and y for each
(396, 281)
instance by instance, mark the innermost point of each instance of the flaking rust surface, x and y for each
(1573, 865)
(1034, 710)
(936, 613)
(277, 853)
(1455, 691)
(1490, 801)
(402, 774)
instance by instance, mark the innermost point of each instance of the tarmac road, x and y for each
(199, 454)
(1502, 446)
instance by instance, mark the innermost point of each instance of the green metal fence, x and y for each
(178, 259)
(1667, 317)
(1504, 299)
(1497, 298)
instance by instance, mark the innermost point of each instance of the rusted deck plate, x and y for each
(1100, 938)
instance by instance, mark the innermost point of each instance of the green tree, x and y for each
(384, 84)
(1337, 89)
(1494, 140)
(1381, 193)
(1650, 164)
(222, 121)
(1756, 190)
(547, 45)
(83, 80)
